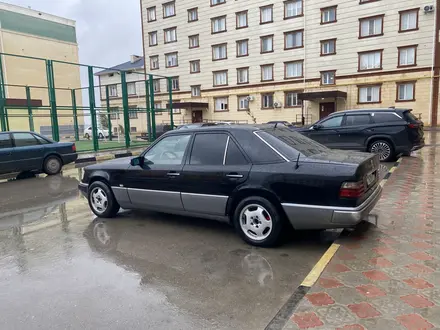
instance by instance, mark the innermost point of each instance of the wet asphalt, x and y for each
(62, 268)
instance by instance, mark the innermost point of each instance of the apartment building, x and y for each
(28, 32)
(283, 60)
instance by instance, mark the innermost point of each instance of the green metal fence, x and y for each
(60, 107)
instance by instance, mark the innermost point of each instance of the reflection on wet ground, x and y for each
(62, 268)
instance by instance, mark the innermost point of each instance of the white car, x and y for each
(101, 133)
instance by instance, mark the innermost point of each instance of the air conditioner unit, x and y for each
(277, 104)
(428, 9)
(250, 98)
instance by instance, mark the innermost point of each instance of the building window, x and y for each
(266, 14)
(242, 48)
(113, 90)
(194, 66)
(221, 104)
(193, 15)
(195, 91)
(242, 19)
(291, 100)
(267, 101)
(328, 47)
(133, 129)
(267, 72)
(293, 39)
(151, 14)
(194, 41)
(328, 77)
(406, 91)
(114, 113)
(243, 102)
(266, 44)
(218, 24)
(219, 52)
(170, 35)
(169, 9)
(174, 84)
(407, 56)
(152, 38)
(370, 60)
(171, 60)
(157, 106)
(371, 26)
(409, 20)
(131, 88)
(369, 94)
(154, 62)
(220, 78)
(242, 75)
(293, 8)
(132, 114)
(328, 15)
(156, 85)
(293, 69)
(217, 2)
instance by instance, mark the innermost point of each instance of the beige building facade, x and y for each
(27, 32)
(255, 61)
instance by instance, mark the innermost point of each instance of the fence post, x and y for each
(92, 106)
(170, 100)
(109, 119)
(152, 108)
(2, 97)
(29, 106)
(125, 108)
(147, 99)
(75, 115)
(52, 100)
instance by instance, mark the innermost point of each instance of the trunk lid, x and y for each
(415, 128)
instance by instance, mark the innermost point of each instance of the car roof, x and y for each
(359, 111)
(218, 128)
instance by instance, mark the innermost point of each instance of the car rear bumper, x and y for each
(326, 217)
(69, 158)
(83, 188)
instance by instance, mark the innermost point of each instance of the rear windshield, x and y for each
(410, 117)
(289, 143)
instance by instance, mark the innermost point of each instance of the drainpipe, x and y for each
(303, 106)
(435, 80)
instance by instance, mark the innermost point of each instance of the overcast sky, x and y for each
(108, 31)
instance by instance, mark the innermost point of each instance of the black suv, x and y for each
(387, 132)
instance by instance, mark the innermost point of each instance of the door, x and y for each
(156, 184)
(214, 169)
(197, 116)
(355, 130)
(326, 109)
(326, 131)
(6, 149)
(28, 153)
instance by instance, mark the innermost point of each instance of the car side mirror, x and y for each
(137, 161)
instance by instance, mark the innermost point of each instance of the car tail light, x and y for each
(74, 148)
(413, 125)
(352, 189)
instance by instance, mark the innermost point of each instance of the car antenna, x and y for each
(275, 125)
(297, 162)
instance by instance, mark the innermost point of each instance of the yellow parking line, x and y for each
(392, 169)
(317, 270)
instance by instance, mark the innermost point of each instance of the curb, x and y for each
(103, 158)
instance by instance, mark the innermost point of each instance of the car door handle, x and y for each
(173, 174)
(234, 175)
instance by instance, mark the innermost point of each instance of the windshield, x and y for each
(289, 143)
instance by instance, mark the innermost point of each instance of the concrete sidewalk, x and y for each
(385, 276)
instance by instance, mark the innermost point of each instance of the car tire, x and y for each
(102, 202)
(384, 148)
(52, 165)
(258, 222)
(87, 136)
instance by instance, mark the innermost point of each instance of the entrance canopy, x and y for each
(189, 105)
(310, 96)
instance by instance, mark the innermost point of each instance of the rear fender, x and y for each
(379, 137)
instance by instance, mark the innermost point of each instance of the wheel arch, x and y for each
(55, 154)
(375, 138)
(100, 176)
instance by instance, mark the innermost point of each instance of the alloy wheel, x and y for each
(99, 200)
(256, 222)
(382, 149)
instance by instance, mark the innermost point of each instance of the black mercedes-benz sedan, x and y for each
(259, 179)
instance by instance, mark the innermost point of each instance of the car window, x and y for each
(5, 141)
(208, 149)
(354, 120)
(40, 139)
(234, 156)
(410, 116)
(24, 140)
(89, 128)
(383, 117)
(168, 151)
(332, 122)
